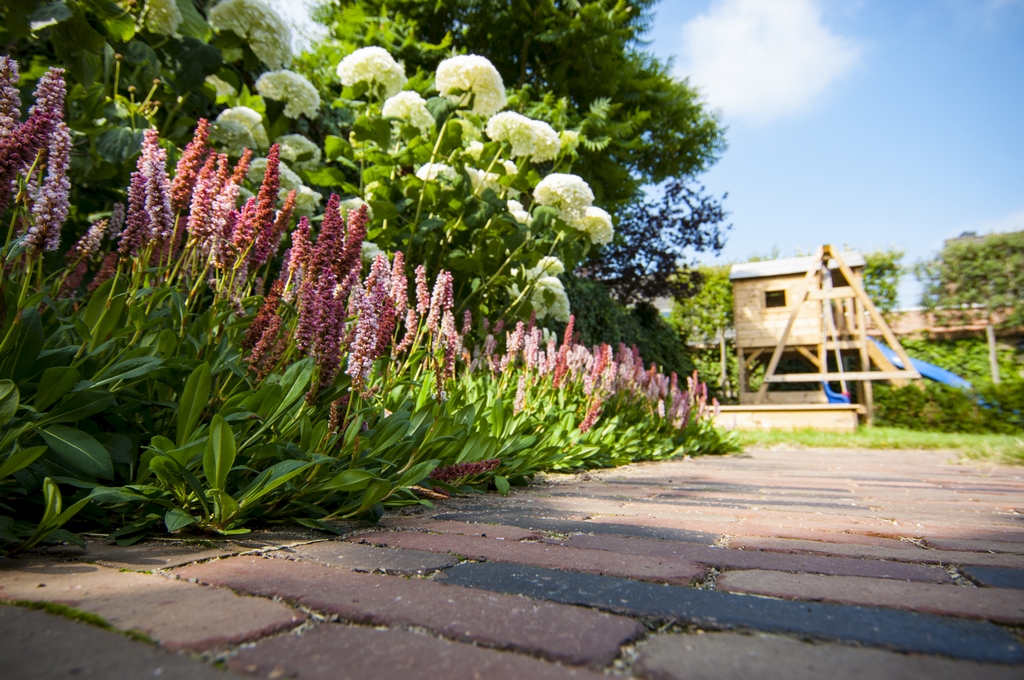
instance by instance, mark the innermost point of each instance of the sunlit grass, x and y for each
(996, 447)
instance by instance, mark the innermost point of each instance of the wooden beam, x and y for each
(831, 377)
(867, 396)
(876, 316)
(837, 293)
(883, 363)
(752, 358)
(810, 357)
(798, 302)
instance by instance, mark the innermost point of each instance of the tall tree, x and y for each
(978, 274)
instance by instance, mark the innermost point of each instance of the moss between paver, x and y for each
(995, 447)
(81, 616)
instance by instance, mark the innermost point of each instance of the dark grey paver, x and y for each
(370, 558)
(531, 520)
(904, 631)
(997, 577)
(35, 645)
(721, 656)
(332, 651)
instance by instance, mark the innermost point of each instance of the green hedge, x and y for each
(931, 406)
(600, 318)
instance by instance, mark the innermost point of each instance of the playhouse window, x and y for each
(775, 298)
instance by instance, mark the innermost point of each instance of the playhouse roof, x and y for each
(787, 266)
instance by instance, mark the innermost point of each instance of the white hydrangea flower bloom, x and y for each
(570, 139)
(510, 167)
(558, 308)
(373, 66)
(163, 17)
(517, 211)
(569, 194)
(350, 204)
(370, 251)
(410, 107)
(548, 266)
(470, 73)
(307, 201)
(474, 150)
(481, 180)
(269, 36)
(598, 225)
(240, 128)
(299, 95)
(258, 168)
(532, 138)
(294, 147)
(223, 87)
(431, 171)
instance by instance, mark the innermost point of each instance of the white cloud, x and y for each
(296, 14)
(761, 60)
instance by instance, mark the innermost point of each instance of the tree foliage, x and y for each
(700, 316)
(883, 271)
(978, 272)
(647, 260)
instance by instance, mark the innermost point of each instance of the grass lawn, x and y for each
(997, 447)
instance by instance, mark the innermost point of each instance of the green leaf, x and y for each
(417, 473)
(178, 519)
(106, 312)
(80, 450)
(9, 399)
(375, 493)
(192, 402)
(335, 147)
(121, 29)
(54, 384)
(220, 453)
(349, 480)
(327, 177)
(502, 485)
(20, 459)
(79, 406)
(49, 15)
(193, 23)
(295, 380)
(128, 369)
(117, 145)
(276, 476)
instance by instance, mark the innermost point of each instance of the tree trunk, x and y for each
(993, 356)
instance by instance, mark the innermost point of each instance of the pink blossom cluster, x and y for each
(459, 473)
(599, 373)
(43, 141)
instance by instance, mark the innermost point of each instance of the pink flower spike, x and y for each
(50, 208)
(422, 292)
(186, 173)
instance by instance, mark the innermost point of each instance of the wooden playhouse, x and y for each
(803, 321)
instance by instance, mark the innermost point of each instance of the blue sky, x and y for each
(870, 123)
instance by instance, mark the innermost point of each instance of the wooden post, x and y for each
(866, 390)
(993, 355)
(723, 379)
(741, 367)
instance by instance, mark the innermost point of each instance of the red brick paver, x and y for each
(177, 614)
(742, 559)
(558, 632)
(669, 569)
(332, 651)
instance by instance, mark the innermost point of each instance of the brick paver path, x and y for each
(773, 564)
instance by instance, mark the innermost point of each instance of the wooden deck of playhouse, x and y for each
(824, 417)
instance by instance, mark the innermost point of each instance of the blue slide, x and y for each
(930, 371)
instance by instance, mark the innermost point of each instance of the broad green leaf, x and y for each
(118, 144)
(502, 485)
(178, 519)
(53, 518)
(375, 493)
(54, 384)
(50, 14)
(335, 147)
(192, 401)
(295, 381)
(20, 459)
(280, 474)
(220, 453)
(109, 314)
(79, 406)
(349, 480)
(417, 473)
(80, 450)
(9, 399)
(128, 369)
